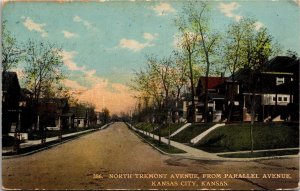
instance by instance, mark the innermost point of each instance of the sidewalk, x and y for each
(32, 143)
(190, 151)
(193, 153)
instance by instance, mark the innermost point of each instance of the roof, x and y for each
(26, 91)
(26, 94)
(59, 102)
(10, 81)
(280, 64)
(78, 111)
(213, 82)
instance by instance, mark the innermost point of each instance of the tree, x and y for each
(11, 53)
(203, 42)
(43, 73)
(161, 83)
(234, 52)
(179, 75)
(43, 70)
(292, 54)
(188, 43)
(105, 115)
(258, 48)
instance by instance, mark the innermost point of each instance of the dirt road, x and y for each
(88, 163)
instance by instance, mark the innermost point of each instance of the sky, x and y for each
(105, 41)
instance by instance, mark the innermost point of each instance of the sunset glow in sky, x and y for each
(104, 41)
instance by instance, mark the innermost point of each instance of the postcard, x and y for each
(150, 95)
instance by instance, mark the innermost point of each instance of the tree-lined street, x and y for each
(118, 150)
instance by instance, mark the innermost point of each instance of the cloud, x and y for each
(74, 85)
(228, 10)
(149, 36)
(115, 96)
(176, 41)
(89, 73)
(297, 2)
(89, 87)
(68, 61)
(133, 44)
(33, 26)
(163, 9)
(117, 100)
(86, 23)
(68, 34)
(258, 25)
(179, 40)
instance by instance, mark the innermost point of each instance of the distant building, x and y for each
(53, 112)
(80, 116)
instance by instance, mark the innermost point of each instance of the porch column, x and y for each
(69, 121)
(38, 123)
(184, 114)
(244, 109)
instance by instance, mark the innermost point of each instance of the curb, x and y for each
(41, 149)
(163, 152)
(55, 144)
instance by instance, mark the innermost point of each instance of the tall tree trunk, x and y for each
(206, 90)
(231, 101)
(193, 109)
(252, 120)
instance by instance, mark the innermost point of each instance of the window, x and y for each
(279, 98)
(285, 99)
(279, 81)
(274, 98)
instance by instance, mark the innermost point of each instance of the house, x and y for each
(11, 93)
(80, 116)
(271, 101)
(53, 112)
(26, 106)
(216, 100)
(291, 88)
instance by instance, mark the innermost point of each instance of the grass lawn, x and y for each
(164, 130)
(149, 127)
(261, 154)
(236, 137)
(190, 132)
(162, 146)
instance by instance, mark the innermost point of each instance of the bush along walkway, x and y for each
(194, 153)
(32, 146)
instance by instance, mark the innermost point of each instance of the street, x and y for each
(87, 162)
